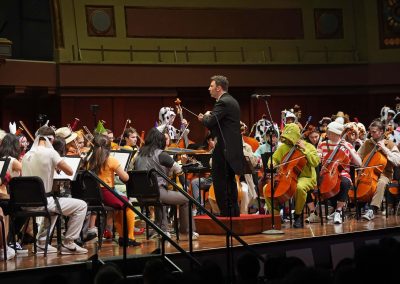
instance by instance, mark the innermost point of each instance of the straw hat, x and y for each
(67, 134)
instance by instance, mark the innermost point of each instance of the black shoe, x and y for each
(79, 242)
(131, 243)
(90, 236)
(298, 222)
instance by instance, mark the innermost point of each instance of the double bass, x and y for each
(367, 178)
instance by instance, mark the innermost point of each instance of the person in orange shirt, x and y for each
(106, 166)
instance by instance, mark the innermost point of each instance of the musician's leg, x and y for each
(380, 191)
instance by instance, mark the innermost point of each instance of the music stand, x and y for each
(123, 156)
(74, 162)
(4, 162)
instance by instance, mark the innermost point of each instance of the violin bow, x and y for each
(27, 130)
(123, 131)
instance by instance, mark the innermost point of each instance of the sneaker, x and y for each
(131, 243)
(139, 231)
(41, 246)
(10, 253)
(369, 215)
(337, 217)
(72, 248)
(18, 248)
(331, 216)
(107, 234)
(298, 222)
(313, 218)
(154, 235)
(185, 237)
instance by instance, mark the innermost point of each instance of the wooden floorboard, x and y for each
(205, 242)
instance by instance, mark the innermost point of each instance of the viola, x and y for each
(183, 141)
(285, 181)
(367, 178)
(330, 173)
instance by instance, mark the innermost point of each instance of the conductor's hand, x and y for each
(200, 117)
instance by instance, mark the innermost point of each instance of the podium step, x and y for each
(246, 224)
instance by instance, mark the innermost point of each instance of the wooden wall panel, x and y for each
(214, 23)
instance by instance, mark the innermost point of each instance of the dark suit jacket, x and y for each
(227, 110)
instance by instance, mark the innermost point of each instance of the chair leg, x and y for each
(3, 230)
(101, 223)
(176, 228)
(47, 238)
(35, 229)
(146, 210)
(58, 226)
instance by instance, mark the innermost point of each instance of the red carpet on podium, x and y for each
(246, 224)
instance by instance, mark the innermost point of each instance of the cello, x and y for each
(367, 178)
(285, 181)
(330, 173)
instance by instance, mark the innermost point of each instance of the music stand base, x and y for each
(273, 232)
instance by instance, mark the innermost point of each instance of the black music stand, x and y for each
(4, 162)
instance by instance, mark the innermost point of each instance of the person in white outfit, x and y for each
(42, 160)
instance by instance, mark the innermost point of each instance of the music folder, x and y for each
(74, 162)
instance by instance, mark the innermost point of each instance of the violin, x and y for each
(330, 172)
(367, 178)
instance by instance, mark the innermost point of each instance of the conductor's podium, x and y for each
(246, 224)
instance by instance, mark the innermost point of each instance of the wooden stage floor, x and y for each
(204, 243)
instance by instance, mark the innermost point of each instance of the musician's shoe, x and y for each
(185, 237)
(369, 215)
(40, 248)
(10, 253)
(337, 218)
(298, 221)
(108, 235)
(313, 218)
(69, 247)
(131, 243)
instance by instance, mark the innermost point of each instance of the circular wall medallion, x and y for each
(101, 21)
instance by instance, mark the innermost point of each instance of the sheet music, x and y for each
(123, 157)
(74, 163)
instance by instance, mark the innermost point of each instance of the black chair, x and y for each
(29, 192)
(147, 193)
(88, 189)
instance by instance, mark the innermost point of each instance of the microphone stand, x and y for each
(272, 231)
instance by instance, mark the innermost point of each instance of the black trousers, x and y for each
(226, 192)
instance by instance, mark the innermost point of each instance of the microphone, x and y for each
(257, 96)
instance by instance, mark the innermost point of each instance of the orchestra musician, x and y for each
(10, 148)
(325, 149)
(307, 178)
(391, 152)
(152, 155)
(41, 160)
(106, 166)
